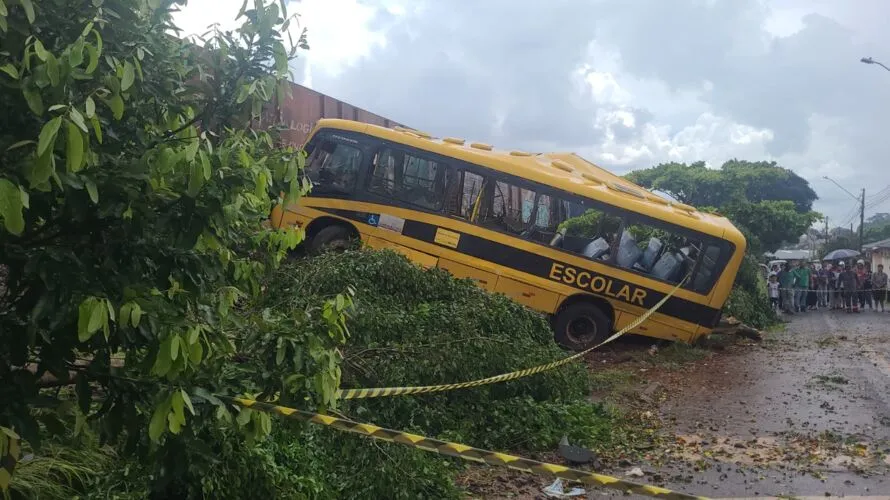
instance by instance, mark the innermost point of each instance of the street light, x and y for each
(842, 187)
(869, 60)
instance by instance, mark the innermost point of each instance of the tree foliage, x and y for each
(772, 204)
(876, 228)
(133, 190)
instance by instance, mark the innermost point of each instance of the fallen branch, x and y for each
(731, 326)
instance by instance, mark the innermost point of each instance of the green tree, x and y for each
(877, 227)
(133, 191)
(771, 204)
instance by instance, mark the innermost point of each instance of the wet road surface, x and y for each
(804, 414)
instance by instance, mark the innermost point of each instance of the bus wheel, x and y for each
(581, 326)
(332, 238)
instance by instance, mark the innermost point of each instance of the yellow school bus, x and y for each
(552, 231)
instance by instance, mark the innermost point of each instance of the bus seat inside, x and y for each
(650, 255)
(595, 249)
(628, 251)
(668, 266)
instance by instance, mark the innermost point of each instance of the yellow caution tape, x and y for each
(464, 452)
(379, 392)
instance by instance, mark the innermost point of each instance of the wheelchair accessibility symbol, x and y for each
(373, 219)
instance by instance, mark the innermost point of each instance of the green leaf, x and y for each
(243, 416)
(188, 401)
(90, 317)
(77, 118)
(177, 403)
(52, 69)
(10, 70)
(98, 315)
(35, 102)
(196, 353)
(128, 77)
(74, 154)
(210, 398)
(205, 164)
(110, 308)
(280, 353)
(75, 56)
(92, 190)
(174, 347)
(48, 134)
(93, 58)
(97, 128)
(116, 103)
(135, 315)
(40, 50)
(11, 207)
(191, 149)
(86, 30)
(125, 312)
(90, 107)
(196, 179)
(158, 421)
(40, 170)
(29, 10)
(20, 143)
(4, 13)
(163, 363)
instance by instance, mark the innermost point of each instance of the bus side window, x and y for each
(511, 208)
(658, 252)
(591, 232)
(471, 199)
(333, 167)
(409, 178)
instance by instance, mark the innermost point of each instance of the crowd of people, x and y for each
(838, 286)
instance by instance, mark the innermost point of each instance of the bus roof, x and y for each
(565, 171)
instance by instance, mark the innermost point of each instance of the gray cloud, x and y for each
(690, 80)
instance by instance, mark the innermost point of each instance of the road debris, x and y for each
(557, 490)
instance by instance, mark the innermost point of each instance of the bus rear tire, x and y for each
(334, 238)
(581, 325)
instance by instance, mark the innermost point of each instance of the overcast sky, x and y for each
(626, 83)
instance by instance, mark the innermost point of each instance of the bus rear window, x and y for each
(333, 167)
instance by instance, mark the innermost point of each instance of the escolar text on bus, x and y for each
(596, 283)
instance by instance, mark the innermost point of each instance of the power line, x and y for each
(877, 194)
(879, 201)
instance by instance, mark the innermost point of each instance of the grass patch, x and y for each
(612, 380)
(678, 354)
(827, 342)
(831, 380)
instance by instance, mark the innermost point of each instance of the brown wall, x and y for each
(305, 106)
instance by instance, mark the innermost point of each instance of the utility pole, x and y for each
(826, 230)
(861, 220)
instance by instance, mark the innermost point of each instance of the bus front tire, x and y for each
(581, 326)
(332, 238)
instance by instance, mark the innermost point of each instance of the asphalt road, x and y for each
(804, 414)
